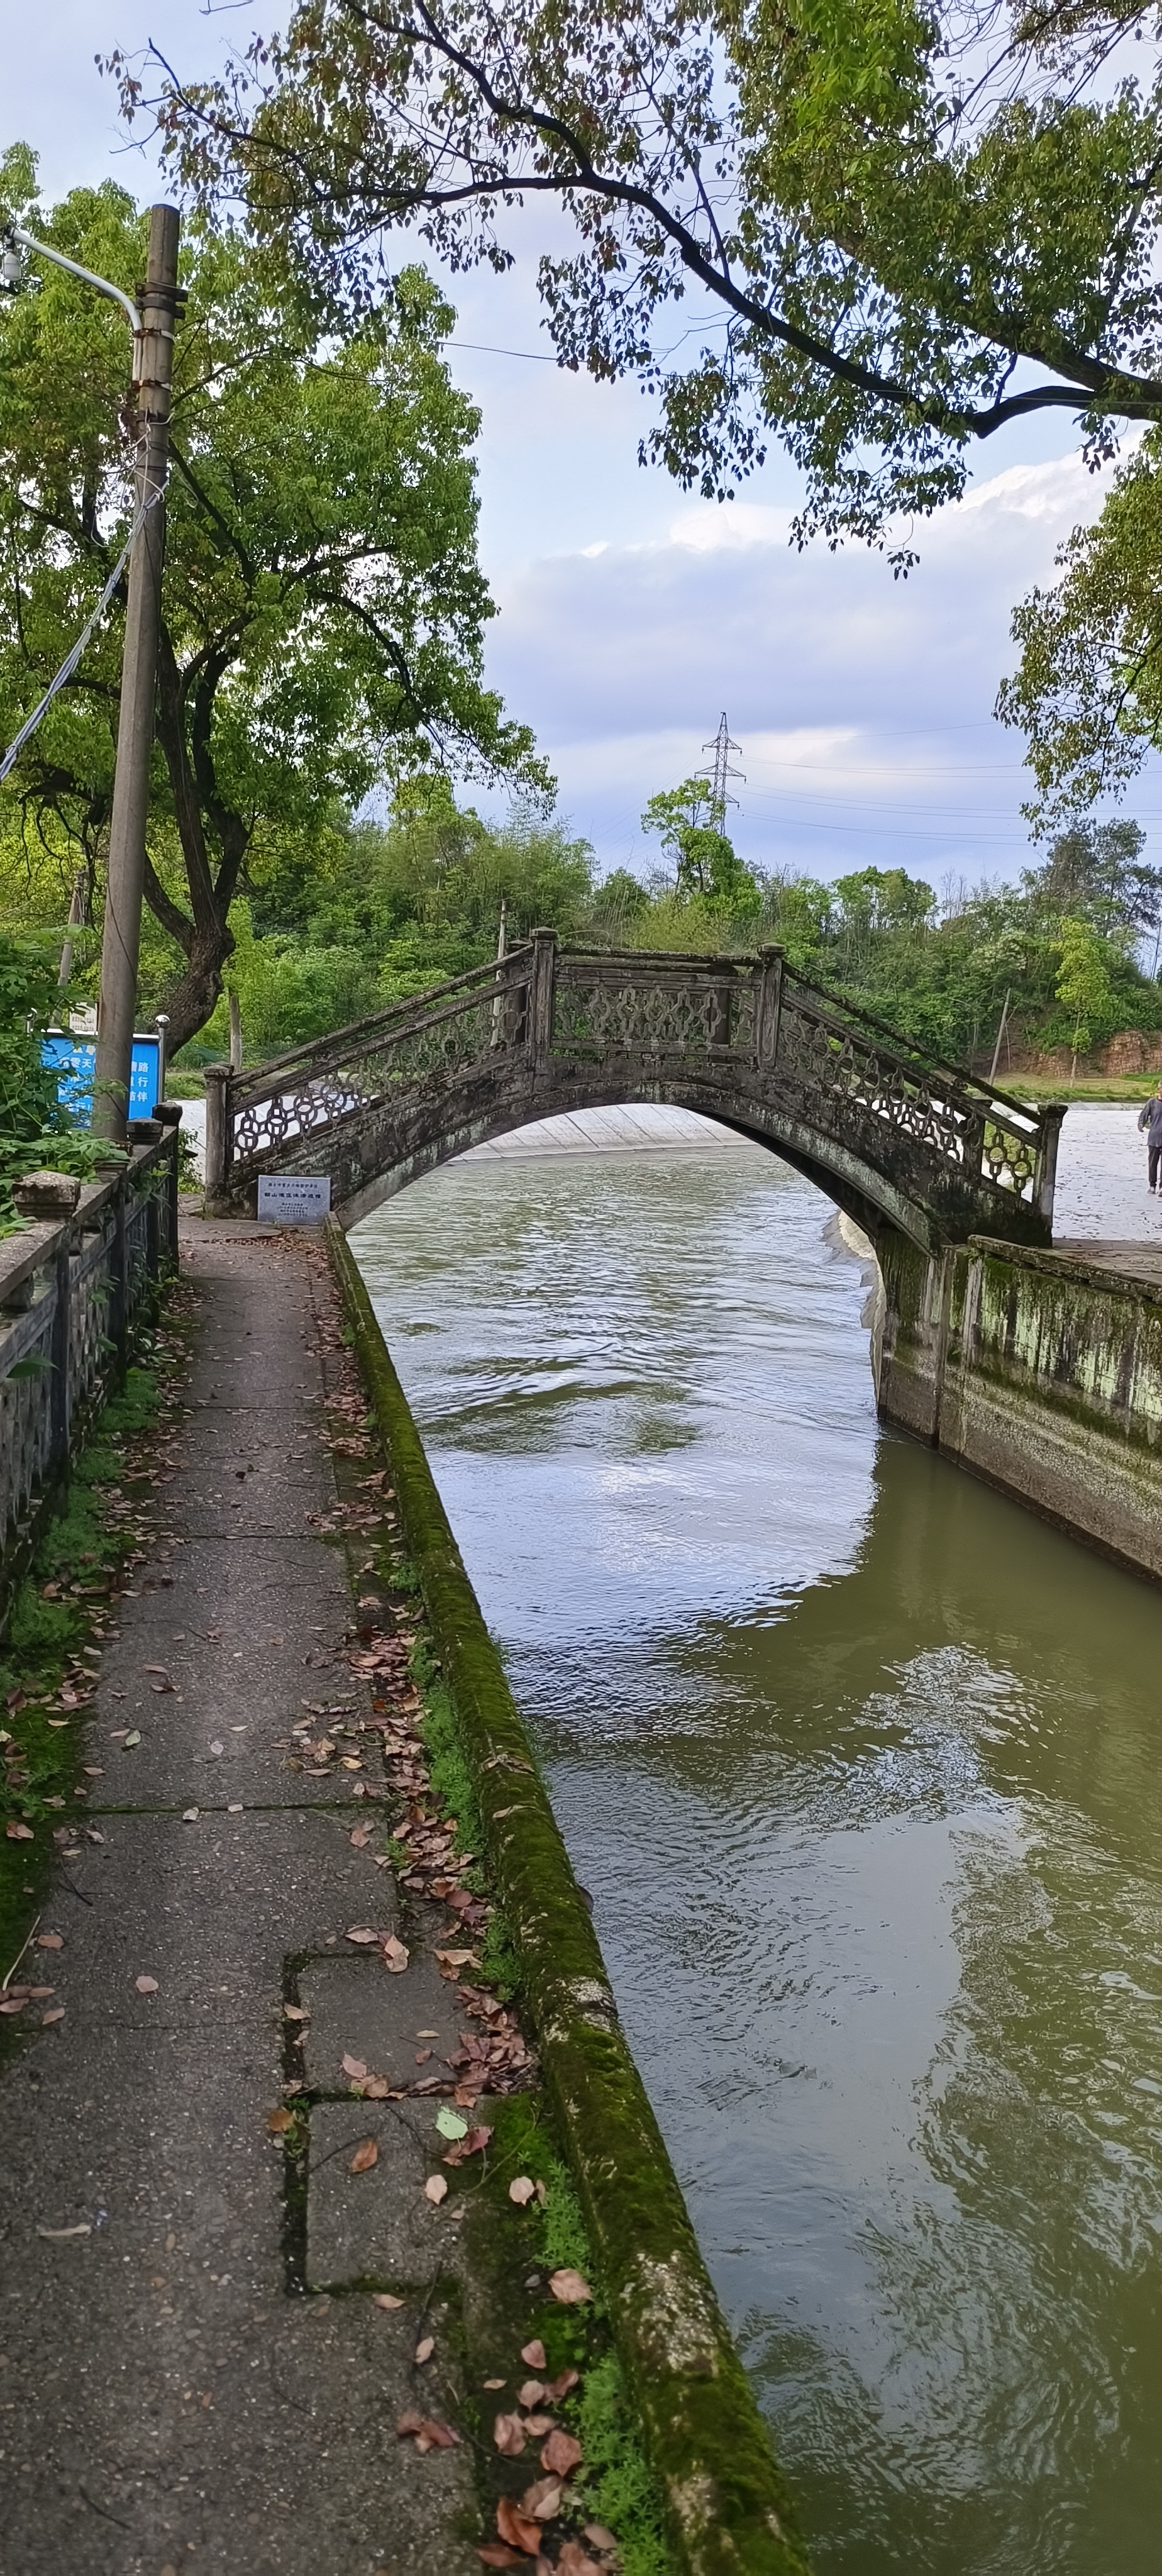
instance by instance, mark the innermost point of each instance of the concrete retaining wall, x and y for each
(1038, 1370)
(727, 2507)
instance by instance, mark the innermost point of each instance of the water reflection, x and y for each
(858, 1761)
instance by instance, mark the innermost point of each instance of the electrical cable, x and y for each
(68, 666)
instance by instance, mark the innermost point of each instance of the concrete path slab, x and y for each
(402, 2027)
(170, 2399)
(377, 2227)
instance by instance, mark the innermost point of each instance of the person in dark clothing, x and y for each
(1151, 1119)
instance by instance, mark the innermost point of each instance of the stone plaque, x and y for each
(294, 1198)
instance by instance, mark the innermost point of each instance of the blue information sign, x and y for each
(76, 1060)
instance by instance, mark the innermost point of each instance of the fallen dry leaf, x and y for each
(50, 1941)
(542, 2500)
(19, 1833)
(600, 2535)
(395, 1954)
(360, 1838)
(571, 2288)
(424, 2349)
(355, 2066)
(496, 2553)
(561, 2454)
(532, 2393)
(522, 2189)
(536, 2426)
(57, 2235)
(427, 2434)
(366, 2155)
(574, 2561)
(436, 2189)
(146, 1985)
(295, 2012)
(508, 2433)
(278, 2122)
(518, 2528)
(57, 2014)
(384, 2299)
(560, 2386)
(360, 1934)
(535, 2355)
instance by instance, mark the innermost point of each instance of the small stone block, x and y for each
(377, 2227)
(359, 2009)
(48, 1196)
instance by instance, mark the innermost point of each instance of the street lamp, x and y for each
(151, 321)
(16, 242)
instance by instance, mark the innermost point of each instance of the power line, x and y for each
(72, 657)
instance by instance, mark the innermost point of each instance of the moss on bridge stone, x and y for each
(727, 2505)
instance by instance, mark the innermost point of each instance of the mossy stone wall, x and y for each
(1036, 1369)
(726, 2503)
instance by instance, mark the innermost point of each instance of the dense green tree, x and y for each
(1088, 689)
(913, 224)
(1097, 870)
(323, 607)
(688, 820)
(1084, 988)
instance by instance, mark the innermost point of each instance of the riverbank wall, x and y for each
(726, 2505)
(1038, 1370)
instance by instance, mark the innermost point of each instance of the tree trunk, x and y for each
(193, 997)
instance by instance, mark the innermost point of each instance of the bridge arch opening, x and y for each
(843, 1176)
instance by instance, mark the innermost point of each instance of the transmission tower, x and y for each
(722, 746)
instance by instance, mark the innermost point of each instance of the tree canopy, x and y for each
(323, 609)
(1088, 689)
(903, 225)
(689, 821)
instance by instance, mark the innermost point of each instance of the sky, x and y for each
(632, 615)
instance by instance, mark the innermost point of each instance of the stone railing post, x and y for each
(219, 1131)
(1045, 1175)
(541, 974)
(769, 1002)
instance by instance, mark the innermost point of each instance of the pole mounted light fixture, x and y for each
(16, 242)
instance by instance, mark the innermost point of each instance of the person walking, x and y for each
(1150, 1117)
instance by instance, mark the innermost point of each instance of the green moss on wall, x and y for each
(726, 2506)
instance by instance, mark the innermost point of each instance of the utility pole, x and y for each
(121, 944)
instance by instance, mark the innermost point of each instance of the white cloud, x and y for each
(863, 705)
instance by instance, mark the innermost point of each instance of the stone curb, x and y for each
(726, 2503)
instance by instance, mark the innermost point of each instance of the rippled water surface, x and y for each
(859, 1763)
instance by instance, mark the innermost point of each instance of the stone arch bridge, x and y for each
(905, 1143)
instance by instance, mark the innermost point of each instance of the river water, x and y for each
(858, 1761)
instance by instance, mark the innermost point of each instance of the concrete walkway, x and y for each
(169, 2402)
